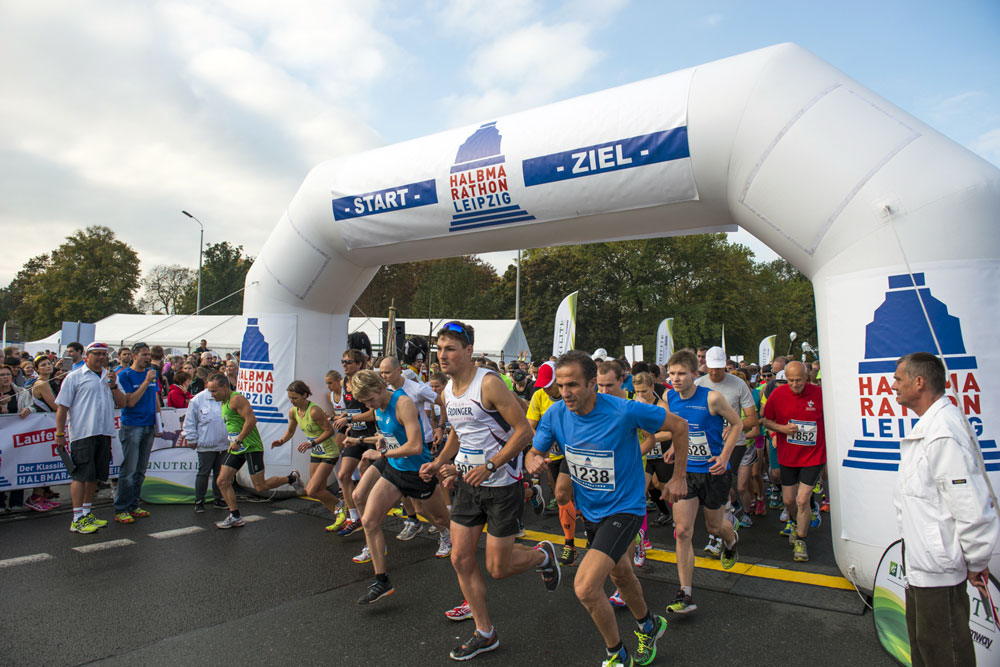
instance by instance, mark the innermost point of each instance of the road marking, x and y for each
(176, 532)
(284, 512)
(24, 560)
(101, 546)
(250, 518)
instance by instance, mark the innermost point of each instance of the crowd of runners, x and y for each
(467, 445)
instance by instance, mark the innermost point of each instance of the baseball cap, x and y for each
(96, 346)
(546, 375)
(715, 357)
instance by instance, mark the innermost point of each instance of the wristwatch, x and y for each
(490, 466)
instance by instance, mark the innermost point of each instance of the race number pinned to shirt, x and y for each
(468, 459)
(390, 441)
(698, 449)
(656, 452)
(805, 433)
(356, 425)
(591, 469)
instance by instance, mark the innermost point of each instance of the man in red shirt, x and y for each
(795, 413)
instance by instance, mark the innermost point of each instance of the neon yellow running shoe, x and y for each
(91, 518)
(339, 523)
(81, 526)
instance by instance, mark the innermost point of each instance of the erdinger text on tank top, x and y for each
(481, 432)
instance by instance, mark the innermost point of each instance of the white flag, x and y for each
(665, 340)
(564, 335)
(724, 338)
(766, 351)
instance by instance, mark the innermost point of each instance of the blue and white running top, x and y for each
(481, 432)
(704, 428)
(602, 453)
(394, 433)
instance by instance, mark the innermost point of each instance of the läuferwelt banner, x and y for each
(523, 169)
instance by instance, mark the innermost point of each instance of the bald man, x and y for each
(794, 412)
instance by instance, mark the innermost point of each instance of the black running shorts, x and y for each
(91, 458)
(254, 461)
(712, 491)
(355, 451)
(663, 471)
(499, 507)
(613, 534)
(409, 483)
(792, 475)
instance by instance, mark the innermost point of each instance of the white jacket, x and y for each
(943, 507)
(203, 423)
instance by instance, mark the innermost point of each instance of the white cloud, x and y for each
(714, 19)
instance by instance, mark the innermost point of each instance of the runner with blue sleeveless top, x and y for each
(708, 473)
(402, 448)
(598, 433)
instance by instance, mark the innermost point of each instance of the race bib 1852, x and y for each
(591, 469)
(805, 433)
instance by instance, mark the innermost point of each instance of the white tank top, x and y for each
(339, 407)
(481, 432)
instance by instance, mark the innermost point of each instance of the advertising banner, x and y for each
(664, 340)
(564, 335)
(765, 353)
(881, 317)
(594, 154)
(889, 614)
(267, 367)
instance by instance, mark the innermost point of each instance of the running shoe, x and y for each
(736, 506)
(789, 529)
(139, 513)
(124, 517)
(230, 522)
(816, 520)
(616, 661)
(199, 508)
(376, 591)
(444, 548)
(300, 488)
(616, 600)
(640, 552)
(661, 520)
(714, 545)
(338, 522)
(552, 506)
(410, 530)
(82, 526)
(745, 521)
(784, 516)
(550, 573)
(682, 604)
(35, 503)
(475, 645)
(93, 520)
(350, 527)
(825, 505)
(774, 501)
(220, 504)
(51, 504)
(645, 651)
(537, 500)
(365, 556)
(520, 528)
(799, 553)
(432, 530)
(817, 488)
(568, 555)
(728, 557)
(459, 613)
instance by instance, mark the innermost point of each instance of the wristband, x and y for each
(60, 435)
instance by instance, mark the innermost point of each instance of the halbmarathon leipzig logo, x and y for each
(256, 376)
(898, 328)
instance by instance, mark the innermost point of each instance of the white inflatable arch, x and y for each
(869, 202)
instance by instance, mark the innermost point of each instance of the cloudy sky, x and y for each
(122, 113)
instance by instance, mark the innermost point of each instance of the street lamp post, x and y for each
(201, 245)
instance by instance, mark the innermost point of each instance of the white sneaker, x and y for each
(297, 484)
(364, 557)
(444, 548)
(410, 530)
(784, 516)
(714, 545)
(230, 522)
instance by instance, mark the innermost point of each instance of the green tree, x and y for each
(456, 287)
(393, 284)
(224, 269)
(90, 276)
(163, 288)
(12, 306)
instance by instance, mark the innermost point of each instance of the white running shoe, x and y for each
(444, 548)
(784, 516)
(410, 530)
(297, 484)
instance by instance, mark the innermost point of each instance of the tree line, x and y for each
(626, 288)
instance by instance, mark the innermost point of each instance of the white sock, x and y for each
(686, 589)
(354, 514)
(86, 508)
(445, 534)
(486, 635)
(77, 514)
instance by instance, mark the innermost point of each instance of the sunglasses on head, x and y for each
(457, 328)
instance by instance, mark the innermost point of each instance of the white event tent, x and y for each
(224, 333)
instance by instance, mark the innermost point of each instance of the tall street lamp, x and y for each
(201, 245)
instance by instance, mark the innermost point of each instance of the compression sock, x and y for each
(567, 519)
(645, 524)
(661, 505)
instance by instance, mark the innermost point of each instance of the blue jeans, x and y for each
(137, 442)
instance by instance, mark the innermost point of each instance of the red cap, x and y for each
(546, 375)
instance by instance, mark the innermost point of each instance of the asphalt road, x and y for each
(281, 591)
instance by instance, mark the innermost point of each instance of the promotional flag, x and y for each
(665, 340)
(766, 351)
(564, 336)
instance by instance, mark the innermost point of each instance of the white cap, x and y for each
(715, 357)
(599, 353)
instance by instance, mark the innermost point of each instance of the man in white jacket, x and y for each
(945, 515)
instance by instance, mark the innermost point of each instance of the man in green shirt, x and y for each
(245, 446)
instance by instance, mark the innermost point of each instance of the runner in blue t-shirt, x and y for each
(597, 432)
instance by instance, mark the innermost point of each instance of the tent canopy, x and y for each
(224, 333)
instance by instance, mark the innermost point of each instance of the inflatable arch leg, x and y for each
(847, 187)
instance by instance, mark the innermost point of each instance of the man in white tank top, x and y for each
(489, 434)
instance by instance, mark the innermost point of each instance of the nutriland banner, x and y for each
(889, 603)
(665, 340)
(765, 352)
(564, 335)
(267, 367)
